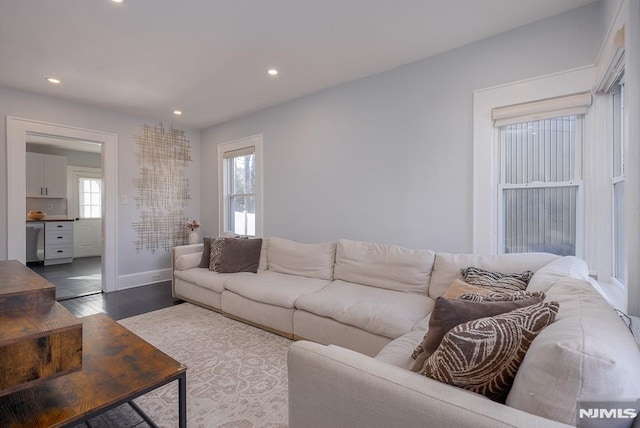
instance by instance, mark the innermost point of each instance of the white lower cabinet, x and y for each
(58, 242)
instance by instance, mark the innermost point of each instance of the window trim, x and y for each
(486, 172)
(223, 209)
(81, 196)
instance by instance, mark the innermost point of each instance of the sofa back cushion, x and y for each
(384, 266)
(587, 354)
(297, 258)
(446, 267)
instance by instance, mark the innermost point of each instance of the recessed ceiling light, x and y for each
(177, 112)
(53, 80)
(272, 72)
(117, 1)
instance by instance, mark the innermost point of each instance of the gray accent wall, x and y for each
(388, 158)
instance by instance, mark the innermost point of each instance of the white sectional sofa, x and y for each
(362, 308)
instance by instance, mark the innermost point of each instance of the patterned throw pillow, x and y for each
(448, 313)
(483, 355)
(502, 297)
(495, 280)
(215, 257)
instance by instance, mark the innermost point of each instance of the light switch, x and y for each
(124, 199)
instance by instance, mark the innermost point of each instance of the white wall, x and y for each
(388, 158)
(48, 109)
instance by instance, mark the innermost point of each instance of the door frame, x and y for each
(17, 129)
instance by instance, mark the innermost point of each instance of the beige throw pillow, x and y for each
(448, 313)
(483, 355)
(459, 287)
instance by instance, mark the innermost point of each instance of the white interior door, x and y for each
(87, 229)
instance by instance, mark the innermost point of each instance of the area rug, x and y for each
(236, 376)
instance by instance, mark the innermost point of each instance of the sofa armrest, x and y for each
(330, 386)
(186, 249)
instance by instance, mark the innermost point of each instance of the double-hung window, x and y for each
(240, 186)
(619, 260)
(539, 191)
(540, 185)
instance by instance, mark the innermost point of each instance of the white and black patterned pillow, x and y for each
(215, 256)
(484, 355)
(502, 297)
(497, 281)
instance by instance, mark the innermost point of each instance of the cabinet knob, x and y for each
(59, 225)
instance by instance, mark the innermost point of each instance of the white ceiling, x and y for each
(209, 58)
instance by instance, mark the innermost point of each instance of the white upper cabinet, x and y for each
(46, 176)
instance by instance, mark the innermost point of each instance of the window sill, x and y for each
(614, 292)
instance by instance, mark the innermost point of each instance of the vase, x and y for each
(193, 237)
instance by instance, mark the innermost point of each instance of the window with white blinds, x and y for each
(240, 171)
(540, 183)
(240, 186)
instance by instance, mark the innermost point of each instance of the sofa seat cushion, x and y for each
(274, 288)
(206, 278)
(446, 267)
(398, 351)
(384, 266)
(587, 354)
(377, 310)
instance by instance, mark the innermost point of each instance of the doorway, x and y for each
(18, 130)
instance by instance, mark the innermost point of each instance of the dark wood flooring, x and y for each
(124, 303)
(80, 278)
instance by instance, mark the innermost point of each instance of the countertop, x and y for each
(48, 219)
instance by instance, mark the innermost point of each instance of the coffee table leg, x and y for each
(182, 401)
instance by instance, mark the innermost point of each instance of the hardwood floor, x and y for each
(80, 278)
(125, 303)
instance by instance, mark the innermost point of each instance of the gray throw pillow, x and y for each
(484, 355)
(448, 313)
(241, 255)
(206, 253)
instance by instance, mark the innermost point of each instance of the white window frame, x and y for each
(254, 141)
(616, 179)
(486, 145)
(81, 196)
(576, 182)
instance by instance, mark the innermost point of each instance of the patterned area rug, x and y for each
(236, 377)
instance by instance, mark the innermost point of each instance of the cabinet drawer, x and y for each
(50, 226)
(56, 237)
(58, 252)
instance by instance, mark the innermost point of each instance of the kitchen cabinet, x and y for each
(58, 242)
(46, 176)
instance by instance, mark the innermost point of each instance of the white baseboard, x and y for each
(143, 278)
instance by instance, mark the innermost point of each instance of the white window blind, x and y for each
(568, 105)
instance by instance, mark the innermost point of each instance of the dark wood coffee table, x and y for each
(117, 366)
